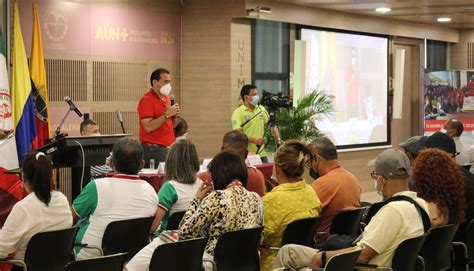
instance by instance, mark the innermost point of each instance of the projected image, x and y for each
(352, 68)
(448, 94)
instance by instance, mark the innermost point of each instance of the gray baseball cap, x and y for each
(392, 164)
(414, 144)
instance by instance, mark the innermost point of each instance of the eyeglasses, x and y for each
(374, 175)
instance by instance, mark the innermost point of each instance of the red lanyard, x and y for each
(234, 183)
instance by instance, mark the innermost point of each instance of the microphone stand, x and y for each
(123, 128)
(57, 133)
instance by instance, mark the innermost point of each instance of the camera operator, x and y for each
(251, 119)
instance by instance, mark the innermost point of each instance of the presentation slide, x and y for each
(352, 68)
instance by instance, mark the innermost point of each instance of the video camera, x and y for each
(274, 101)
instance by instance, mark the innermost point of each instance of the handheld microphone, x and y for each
(118, 113)
(172, 100)
(72, 106)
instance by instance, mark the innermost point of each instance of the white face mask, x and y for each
(442, 130)
(166, 89)
(182, 137)
(379, 191)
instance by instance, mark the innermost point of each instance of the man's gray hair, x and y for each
(323, 147)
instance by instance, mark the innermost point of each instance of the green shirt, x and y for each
(255, 127)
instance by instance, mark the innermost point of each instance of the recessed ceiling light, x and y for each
(444, 19)
(383, 9)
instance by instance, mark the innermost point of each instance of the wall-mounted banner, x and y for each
(448, 94)
(115, 30)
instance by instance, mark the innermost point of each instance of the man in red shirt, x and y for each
(237, 142)
(157, 117)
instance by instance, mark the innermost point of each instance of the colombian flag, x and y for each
(38, 83)
(24, 118)
(10, 185)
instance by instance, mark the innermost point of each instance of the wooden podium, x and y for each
(80, 153)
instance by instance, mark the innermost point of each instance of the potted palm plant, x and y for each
(297, 123)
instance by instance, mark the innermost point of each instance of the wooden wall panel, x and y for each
(110, 125)
(66, 77)
(462, 54)
(118, 81)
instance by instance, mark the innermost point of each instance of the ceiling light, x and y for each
(383, 9)
(444, 19)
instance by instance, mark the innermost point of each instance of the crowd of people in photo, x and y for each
(442, 99)
(421, 185)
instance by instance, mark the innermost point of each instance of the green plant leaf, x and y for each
(297, 123)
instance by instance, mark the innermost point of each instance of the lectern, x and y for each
(80, 153)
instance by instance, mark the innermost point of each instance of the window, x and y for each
(436, 55)
(270, 56)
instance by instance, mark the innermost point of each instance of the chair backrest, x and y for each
(175, 219)
(344, 261)
(50, 250)
(436, 249)
(129, 235)
(238, 250)
(347, 222)
(407, 252)
(170, 256)
(470, 241)
(301, 232)
(110, 263)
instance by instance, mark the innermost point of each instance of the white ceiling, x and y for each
(423, 11)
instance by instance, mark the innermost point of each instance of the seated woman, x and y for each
(439, 181)
(181, 185)
(42, 210)
(213, 212)
(291, 200)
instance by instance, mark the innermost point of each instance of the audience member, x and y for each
(291, 200)
(181, 184)
(454, 128)
(213, 212)
(181, 130)
(337, 188)
(105, 200)
(91, 128)
(444, 142)
(44, 209)
(395, 222)
(438, 181)
(412, 147)
(237, 142)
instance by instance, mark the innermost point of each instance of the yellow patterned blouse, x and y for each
(286, 203)
(233, 208)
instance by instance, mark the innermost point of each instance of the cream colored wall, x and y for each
(208, 89)
(240, 58)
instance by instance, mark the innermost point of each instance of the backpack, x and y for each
(340, 241)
